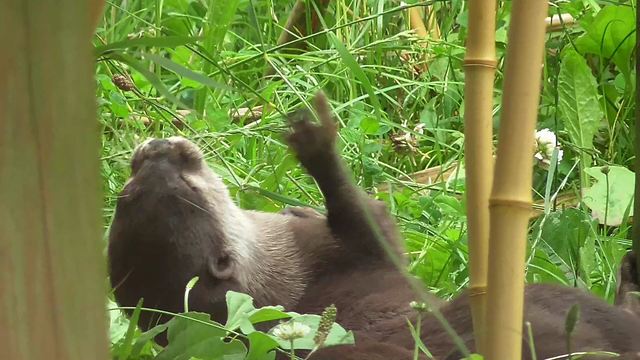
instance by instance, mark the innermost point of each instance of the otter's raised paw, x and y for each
(309, 141)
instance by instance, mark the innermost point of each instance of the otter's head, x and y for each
(175, 220)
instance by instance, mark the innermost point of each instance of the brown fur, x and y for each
(628, 296)
(175, 220)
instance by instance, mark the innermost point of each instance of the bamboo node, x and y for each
(471, 62)
(518, 203)
(477, 290)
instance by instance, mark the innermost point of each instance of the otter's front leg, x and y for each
(353, 217)
(628, 296)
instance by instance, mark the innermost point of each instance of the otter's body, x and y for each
(175, 220)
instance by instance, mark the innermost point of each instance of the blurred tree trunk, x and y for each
(52, 285)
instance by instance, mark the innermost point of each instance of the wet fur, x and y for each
(175, 219)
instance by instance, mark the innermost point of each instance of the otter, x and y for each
(175, 220)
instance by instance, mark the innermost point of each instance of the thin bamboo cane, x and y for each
(479, 66)
(430, 31)
(510, 202)
(417, 25)
(432, 23)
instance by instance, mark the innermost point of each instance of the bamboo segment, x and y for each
(430, 31)
(479, 66)
(510, 202)
(432, 23)
(96, 9)
(52, 282)
(417, 25)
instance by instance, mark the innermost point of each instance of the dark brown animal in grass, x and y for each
(175, 220)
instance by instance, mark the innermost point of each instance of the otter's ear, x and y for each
(222, 266)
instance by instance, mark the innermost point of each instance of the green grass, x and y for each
(360, 61)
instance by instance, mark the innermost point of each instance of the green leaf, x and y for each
(202, 339)
(242, 314)
(145, 338)
(337, 335)
(239, 305)
(153, 79)
(578, 102)
(125, 350)
(353, 65)
(370, 126)
(611, 34)
(269, 313)
(572, 319)
(185, 72)
(261, 346)
(167, 41)
(620, 194)
(220, 16)
(566, 233)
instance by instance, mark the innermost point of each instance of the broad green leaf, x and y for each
(189, 338)
(242, 314)
(619, 194)
(369, 125)
(566, 233)
(145, 338)
(239, 305)
(269, 313)
(167, 41)
(579, 105)
(337, 335)
(611, 35)
(261, 346)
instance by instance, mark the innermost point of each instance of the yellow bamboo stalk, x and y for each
(510, 202)
(479, 66)
(431, 31)
(416, 23)
(52, 287)
(96, 9)
(432, 23)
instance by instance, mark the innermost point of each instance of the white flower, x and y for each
(291, 330)
(546, 142)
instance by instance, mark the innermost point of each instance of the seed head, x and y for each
(122, 82)
(327, 319)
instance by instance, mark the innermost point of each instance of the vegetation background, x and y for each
(194, 68)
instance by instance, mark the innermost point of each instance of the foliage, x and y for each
(194, 335)
(197, 66)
